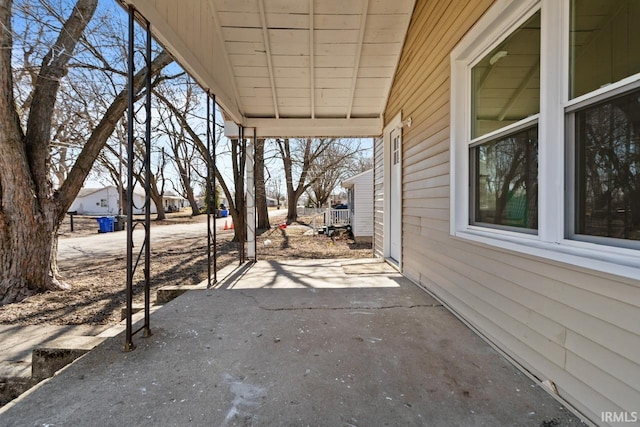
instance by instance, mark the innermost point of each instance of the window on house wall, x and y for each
(604, 130)
(545, 130)
(504, 146)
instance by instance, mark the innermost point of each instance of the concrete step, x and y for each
(169, 293)
(58, 353)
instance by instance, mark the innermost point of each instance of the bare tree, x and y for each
(31, 210)
(302, 158)
(184, 156)
(237, 150)
(339, 161)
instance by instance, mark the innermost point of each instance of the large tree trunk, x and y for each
(292, 209)
(30, 211)
(238, 158)
(261, 191)
(29, 217)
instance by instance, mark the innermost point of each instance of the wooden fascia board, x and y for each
(301, 128)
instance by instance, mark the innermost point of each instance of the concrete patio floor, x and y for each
(320, 343)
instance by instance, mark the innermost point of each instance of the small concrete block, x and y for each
(164, 295)
(56, 354)
(168, 293)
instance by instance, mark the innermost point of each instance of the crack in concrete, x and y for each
(350, 308)
(385, 307)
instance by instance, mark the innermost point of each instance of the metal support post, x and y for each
(213, 185)
(242, 205)
(211, 192)
(128, 346)
(131, 183)
(147, 186)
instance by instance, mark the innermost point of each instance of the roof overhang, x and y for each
(288, 68)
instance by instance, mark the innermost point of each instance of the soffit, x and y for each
(288, 67)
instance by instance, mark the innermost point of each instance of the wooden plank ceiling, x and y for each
(288, 67)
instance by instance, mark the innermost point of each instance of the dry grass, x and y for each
(98, 286)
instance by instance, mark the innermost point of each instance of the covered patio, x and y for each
(331, 342)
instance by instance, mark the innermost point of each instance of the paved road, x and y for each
(114, 244)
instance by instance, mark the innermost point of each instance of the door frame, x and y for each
(394, 124)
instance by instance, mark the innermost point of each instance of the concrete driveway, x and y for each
(296, 343)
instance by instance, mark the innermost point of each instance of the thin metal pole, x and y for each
(147, 180)
(128, 346)
(255, 197)
(242, 208)
(213, 184)
(208, 191)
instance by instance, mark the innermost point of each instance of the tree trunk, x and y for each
(30, 211)
(292, 209)
(29, 217)
(261, 191)
(195, 210)
(158, 201)
(239, 213)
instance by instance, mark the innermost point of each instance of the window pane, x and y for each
(605, 43)
(506, 82)
(608, 168)
(506, 180)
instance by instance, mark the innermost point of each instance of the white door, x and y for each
(395, 196)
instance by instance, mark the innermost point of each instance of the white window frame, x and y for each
(550, 242)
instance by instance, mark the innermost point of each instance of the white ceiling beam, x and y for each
(267, 46)
(225, 55)
(312, 79)
(302, 128)
(356, 67)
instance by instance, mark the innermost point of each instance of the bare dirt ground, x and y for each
(97, 291)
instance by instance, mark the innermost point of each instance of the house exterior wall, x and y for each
(138, 204)
(576, 327)
(101, 202)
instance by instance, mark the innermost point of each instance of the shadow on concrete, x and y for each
(272, 347)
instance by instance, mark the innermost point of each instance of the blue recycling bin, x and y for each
(105, 224)
(224, 213)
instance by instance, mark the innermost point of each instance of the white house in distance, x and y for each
(96, 201)
(360, 202)
(173, 202)
(104, 201)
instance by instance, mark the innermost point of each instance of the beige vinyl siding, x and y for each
(378, 196)
(577, 327)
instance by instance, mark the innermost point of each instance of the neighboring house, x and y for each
(96, 201)
(360, 202)
(173, 202)
(104, 201)
(138, 202)
(506, 178)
